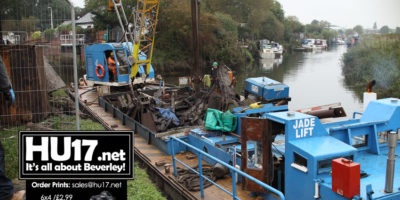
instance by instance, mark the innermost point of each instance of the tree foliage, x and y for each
(320, 30)
(36, 35)
(349, 32)
(384, 30)
(29, 15)
(362, 65)
(223, 23)
(49, 34)
(293, 28)
(107, 19)
(359, 29)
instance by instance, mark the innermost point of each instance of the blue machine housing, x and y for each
(96, 55)
(221, 147)
(267, 89)
(310, 147)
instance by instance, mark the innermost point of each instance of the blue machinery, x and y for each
(97, 54)
(310, 147)
(233, 170)
(291, 153)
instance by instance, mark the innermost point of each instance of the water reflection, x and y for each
(268, 64)
(314, 78)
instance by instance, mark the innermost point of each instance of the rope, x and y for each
(191, 180)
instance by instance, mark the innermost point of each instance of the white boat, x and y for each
(321, 44)
(270, 49)
(308, 44)
(277, 48)
(266, 50)
(314, 44)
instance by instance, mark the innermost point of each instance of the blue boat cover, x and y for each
(168, 114)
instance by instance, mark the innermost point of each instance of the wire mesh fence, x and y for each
(39, 64)
(36, 49)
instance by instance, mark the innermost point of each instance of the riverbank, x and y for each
(375, 57)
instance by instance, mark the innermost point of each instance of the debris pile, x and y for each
(191, 180)
(162, 108)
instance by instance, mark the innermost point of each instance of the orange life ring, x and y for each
(102, 71)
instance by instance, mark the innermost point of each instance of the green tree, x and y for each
(105, 19)
(359, 29)
(313, 30)
(349, 32)
(324, 24)
(36, 35)
(397, 30)
(228, 24)
(329, 35)
(28, 15)
(384, 30)
(272, 28)
(315, 22)
(49, 34)
(278, 11)
(293, 28)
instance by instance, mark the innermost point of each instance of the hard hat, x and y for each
(215, 64)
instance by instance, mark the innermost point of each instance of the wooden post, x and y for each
(195, 35)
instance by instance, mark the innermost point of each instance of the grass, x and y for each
(66, 123)
(142, 187)
(59, 93)
(9, 138)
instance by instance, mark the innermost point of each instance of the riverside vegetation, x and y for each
(375, 57)
(225, 28)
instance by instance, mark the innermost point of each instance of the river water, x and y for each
(314, 78)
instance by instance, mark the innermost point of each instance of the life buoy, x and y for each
(102, 71)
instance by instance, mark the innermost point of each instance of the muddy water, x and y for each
(314, 78)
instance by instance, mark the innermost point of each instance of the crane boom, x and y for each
(142, 34)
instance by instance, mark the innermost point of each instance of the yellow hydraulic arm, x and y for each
(143, 33)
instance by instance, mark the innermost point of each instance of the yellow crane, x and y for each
(141, 33)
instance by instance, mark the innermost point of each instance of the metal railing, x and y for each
(67, 40)
(232, 169)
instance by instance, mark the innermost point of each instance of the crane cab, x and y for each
(99, 70)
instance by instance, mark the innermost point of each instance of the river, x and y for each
(314, 78)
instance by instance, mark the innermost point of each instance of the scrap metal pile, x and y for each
(161, 108)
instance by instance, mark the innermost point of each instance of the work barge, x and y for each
(212, 143)
(273, 153)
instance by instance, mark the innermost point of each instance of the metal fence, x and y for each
(40, 68)
(41, 71)
(233, 171)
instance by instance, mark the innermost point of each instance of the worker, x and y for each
(6, 186)
(233, 82)
(112, 67)
(214, 72)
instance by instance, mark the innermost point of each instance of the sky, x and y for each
(345, 13)
(79, 3)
